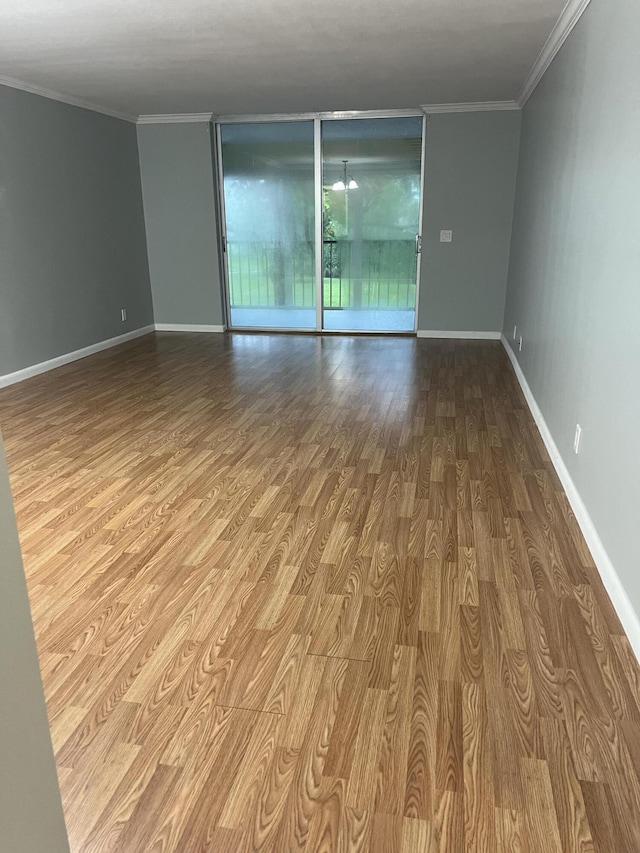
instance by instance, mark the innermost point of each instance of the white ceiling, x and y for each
(265, 56)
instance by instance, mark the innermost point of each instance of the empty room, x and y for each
(319, 400)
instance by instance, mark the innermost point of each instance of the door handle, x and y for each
(418, 244)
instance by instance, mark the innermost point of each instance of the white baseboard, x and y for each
(467, 336)
(610, 578)
(188, 327)
(52, 363)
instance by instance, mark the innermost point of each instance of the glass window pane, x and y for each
(371, 207)
(269, 208)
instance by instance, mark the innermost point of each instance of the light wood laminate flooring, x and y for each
(317, 593)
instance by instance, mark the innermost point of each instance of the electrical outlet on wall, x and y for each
(123, 314)
(446, 236)
(576, 439)
(520, 344)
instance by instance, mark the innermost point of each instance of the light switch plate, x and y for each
(446, 236)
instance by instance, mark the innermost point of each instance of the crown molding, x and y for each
(52, 95)
(569, 17)
(472, 107)
(174, 118)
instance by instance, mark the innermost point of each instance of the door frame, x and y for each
(420, 236)
(317, 118)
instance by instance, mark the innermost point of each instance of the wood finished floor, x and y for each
(317, 593)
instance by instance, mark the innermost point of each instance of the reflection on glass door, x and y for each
(371, 214)
(268, 179)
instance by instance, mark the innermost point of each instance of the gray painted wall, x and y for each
(470, 173)
(469, 187)
(72, 242)
(574, 282)
(30, 807)
(179, 205)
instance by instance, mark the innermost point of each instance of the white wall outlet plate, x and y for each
(576, 439)
(446, 236)
(123, 314)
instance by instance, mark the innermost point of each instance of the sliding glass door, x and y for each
(371, 213)
(269, 201)
(321, 223)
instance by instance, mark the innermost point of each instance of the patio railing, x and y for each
(368, 274)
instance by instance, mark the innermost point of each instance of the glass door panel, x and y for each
(268, 180)
(371, 214)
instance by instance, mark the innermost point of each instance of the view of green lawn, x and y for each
(259, 276)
